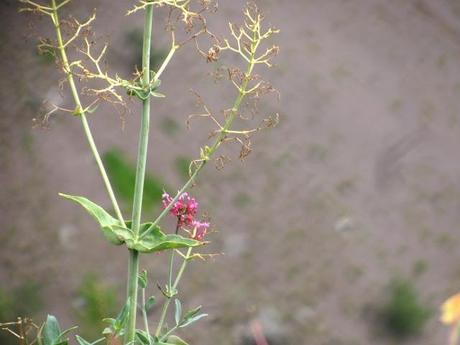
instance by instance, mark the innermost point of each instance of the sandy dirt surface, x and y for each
(357, 185)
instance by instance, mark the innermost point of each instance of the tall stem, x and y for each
(133, 266)
(78, 106)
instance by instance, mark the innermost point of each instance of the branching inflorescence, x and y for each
(247, 40)
(89, 67)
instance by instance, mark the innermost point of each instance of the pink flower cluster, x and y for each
(185, 209)
(199, 230)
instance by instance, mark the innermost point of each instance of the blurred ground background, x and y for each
(340, 228)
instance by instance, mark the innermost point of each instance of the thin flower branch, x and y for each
(207, 152)
(32, 6)
(248, 38)
(78, 27)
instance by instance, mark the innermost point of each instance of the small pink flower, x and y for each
(185, 208)
(199, 230)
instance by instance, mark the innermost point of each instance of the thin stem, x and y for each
(144, 316)
(162, 317)
(168, 300)
(133, 264)
(98, 341)
(165, 62)
(172, 288)
(171, 266)
(182, 268)
(78, 106)
(165, 336)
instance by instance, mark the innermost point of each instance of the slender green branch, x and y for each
(171, 266)
(79, 108)
(162, 317)
(227, 125)
(166, 60)
(222, 133)
(168, 333)
(133, 266)
(144, 315)
(172, 288)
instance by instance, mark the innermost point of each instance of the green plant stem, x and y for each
(172, 288)
(133, 265)
(165, 62)
(144, 316)
(168, 333)
(79, 108)
(171, 266)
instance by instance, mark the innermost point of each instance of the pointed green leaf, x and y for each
(121, 233)
(149, 303)
(178, 313)
(192, 320)
(157, 94)
(143, 279)
(191, 313)
(175, 340)
(152, 239)
(109, 320)
(92, 109)
(117, 325)
(50, 331)
(122, 317)
(144, 338)
(111, 227)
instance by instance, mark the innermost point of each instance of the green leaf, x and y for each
(121, 233)
(92, 109)
(192, 320)
(152, 239)
(191, 316)
(156, 84)
(111, 227)
(110, 321)
(50, 332)
(175, 340)
(107, 331)
(143, 279)
(192, 313)
(144, 338)
(82, 341)
(178, 313)
(117, 325)
(122, 317)
(149, 303)
(157, 94)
